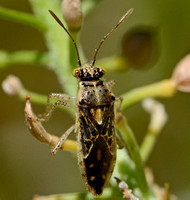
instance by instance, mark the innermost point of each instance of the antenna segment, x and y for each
(112, 30)
(61, 24)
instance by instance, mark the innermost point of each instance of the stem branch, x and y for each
(130, 143)
(20, 17)
(165, 88)
(7, 59)
(148, 145)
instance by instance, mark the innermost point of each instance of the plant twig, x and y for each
(20, 17)
(57, 42)
(113, 64)
(14, 87)
(130, 143)
(158, 118)
(148, 145)
(38, 131)
(165, 88)
(20, 57)
(127, 193)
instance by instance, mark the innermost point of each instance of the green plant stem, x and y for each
(7, 59)
(35, 98)
(165, 88)
(79, 196)
(113, 64)
(57, 42)
(20, 17)
(130, 143)
(148, 145)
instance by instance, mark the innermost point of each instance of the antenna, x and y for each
(112, 30)
(61, 24)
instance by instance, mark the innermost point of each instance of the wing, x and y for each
(98, 147)
(94, 122)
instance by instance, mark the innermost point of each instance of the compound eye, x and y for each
(101, 71)
(76, 73)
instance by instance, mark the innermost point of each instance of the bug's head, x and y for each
(88, 73)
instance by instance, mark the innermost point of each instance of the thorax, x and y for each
(93, 93)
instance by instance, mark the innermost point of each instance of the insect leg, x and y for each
(117, 106)
(119, 99)
(50, 109)
(119, 143)
(62, 140)
(117, 112)
(58, 96)
(110, 84)
(38, 131)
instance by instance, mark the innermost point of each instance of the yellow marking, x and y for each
(103, 177)
(92, 111)
(109, 121)
(87, 122)
(104, 163)
(92, 178)
(109, 146)
(99, 154)
(91, 165)
(88, 139)
(93, 127)
(88, 150)
(99, 116)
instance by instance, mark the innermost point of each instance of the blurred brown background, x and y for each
(157, 37)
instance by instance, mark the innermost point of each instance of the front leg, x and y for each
(61, 98)
(110, 84)
(38, 131)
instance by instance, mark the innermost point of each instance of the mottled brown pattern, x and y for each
(94, 118)
(96, 134)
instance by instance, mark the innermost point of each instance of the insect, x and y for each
(94, 119)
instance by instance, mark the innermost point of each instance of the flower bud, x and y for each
(72, 13)
(127, 193)
(181, 75)
(12, 85)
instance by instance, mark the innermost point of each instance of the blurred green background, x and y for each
(158, 31)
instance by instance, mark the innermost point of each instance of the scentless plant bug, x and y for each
(94, 119)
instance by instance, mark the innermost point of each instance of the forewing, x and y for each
(98, 153)
(88, 129)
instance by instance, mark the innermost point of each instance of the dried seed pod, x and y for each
(72, 13)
